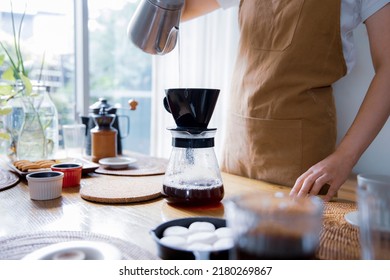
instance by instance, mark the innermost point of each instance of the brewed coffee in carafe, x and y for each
(193, 176)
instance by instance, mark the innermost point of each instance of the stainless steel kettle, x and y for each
(154, 27)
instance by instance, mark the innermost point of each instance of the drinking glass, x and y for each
(274, 226)
(374, 215)
(74, 140)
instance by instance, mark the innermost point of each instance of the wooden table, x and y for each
(131, 222)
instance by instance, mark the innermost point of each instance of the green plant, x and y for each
(14, 73)
(16, 70)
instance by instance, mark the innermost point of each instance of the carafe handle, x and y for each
(124, 135)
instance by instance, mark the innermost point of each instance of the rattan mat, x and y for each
(15, 247)
(339, 240)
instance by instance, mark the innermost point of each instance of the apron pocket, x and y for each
(275, 24)
(264, 149)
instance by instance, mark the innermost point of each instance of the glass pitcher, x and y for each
(193, 176)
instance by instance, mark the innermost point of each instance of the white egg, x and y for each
(202, 237)
(200, 247)
(223, 244)
(224, 232)
(174, 241)
(201, 227)
(176, 231)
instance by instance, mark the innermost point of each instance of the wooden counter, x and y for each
(130, 222)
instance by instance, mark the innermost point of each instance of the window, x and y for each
(55, 45)
(117, 71)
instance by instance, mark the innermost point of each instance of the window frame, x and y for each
(81, 48)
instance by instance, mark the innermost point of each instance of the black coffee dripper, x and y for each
(191, 108)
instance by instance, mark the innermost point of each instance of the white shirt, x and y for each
(353, 12)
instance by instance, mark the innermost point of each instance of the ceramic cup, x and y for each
(45, 185)
(72, 173)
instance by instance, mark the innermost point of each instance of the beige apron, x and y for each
(282, 117)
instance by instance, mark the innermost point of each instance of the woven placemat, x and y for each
(7, 179)
(104, 189)
(15, 247)
(339, 240)
(143, 167)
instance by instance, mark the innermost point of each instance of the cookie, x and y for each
(18, 163)
(25, 167)
(45, 163)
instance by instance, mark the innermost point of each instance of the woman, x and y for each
(290, 53)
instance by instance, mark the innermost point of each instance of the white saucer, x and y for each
(76, 250)
(352, 218)
(117, 162)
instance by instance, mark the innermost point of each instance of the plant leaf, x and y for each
(6, 90)
(9, 57)
(1, 59)
(5, 110)
(17, 43)
(8, 74)
(27, 83)
(5, 136)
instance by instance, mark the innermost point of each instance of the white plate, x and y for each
(76, 250)
(117, 162)
(352, 218)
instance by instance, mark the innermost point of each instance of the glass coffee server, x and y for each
(193, 176)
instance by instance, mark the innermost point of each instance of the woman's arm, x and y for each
(196, 8)
(371, 117)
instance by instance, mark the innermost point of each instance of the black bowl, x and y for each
(170, 253)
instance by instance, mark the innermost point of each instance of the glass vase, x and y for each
(49, 119)
(13, 123)
(5, 136)
(31, 143)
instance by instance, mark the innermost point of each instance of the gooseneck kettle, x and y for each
(154, 27)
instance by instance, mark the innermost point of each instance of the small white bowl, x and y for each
(45, 185)
(117, 162)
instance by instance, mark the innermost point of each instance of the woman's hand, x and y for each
(332, 171)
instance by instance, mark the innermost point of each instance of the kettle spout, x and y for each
(170, 42)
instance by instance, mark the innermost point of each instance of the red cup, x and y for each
(72, 173)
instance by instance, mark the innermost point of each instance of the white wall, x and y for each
(349, 93)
